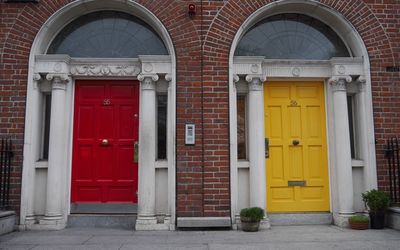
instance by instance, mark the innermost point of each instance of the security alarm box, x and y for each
(190, 134)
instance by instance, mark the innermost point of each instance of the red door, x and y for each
(106, 123)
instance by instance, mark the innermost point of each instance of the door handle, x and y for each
(266, 148)
(136, 152)
(104, 142)
(296, 142)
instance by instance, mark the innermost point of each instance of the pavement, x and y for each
(278, 237)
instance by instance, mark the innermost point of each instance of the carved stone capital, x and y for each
(361, 82)
(148, 81)
(235, 78)
(37, 77)
(58, 81)
(255, 82)
(168, 77)
(339, 83)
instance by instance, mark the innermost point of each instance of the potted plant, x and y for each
(359, 222)
(250, 218)
(377, 202)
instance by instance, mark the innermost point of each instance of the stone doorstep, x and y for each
(202, 222)
(7, 221)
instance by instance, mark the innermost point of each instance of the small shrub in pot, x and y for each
(250, 218)
(377, 202)
(359, 222)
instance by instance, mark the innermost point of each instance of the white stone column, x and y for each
(370, 178)
(256, 143)
(171, 200)
(57, 153)
(234, 172)
(344, 175)
(29, 174)
(147, 153)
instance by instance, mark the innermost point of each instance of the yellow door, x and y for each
(297, 168)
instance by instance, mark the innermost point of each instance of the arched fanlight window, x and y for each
(107, 34)
(292, 36)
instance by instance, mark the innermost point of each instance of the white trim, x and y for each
(303, 70)
(104, 68)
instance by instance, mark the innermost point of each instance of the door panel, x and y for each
(105, 173)
(297, 169)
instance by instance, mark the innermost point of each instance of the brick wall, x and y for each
(202, 44)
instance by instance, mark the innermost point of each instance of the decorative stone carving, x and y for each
(59, 81)
(361, 83)
(168, 77)
(338, 83)
(341, 69)
(37, 77)
(147, 81)
(104, 70)
(296, 71)
(147, 67)
(254, 68)
(236, 78)
(255, 82)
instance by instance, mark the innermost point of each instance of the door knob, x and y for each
(104, 142)
(296, 142)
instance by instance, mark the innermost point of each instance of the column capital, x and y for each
(361, 82)
(148, 81)
(58, 81)
(255, 81)
(168, 77)
(338, 83)
(37, 77)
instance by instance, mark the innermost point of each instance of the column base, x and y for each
(149, 224)
(342, 220)
(50, 223)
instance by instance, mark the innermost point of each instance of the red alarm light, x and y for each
(192, 9)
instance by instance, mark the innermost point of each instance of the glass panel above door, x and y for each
(107, 34)
(292, 36)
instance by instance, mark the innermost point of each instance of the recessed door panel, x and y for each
(105, 130)
(297, 168)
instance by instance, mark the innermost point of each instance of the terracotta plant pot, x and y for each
(249, 225)
(359, 225)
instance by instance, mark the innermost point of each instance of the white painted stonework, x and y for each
(342, 76)
(46, 185)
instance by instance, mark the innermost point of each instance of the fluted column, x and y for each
(344, 179)
(57, 151)
(147, 153)
(256, 141)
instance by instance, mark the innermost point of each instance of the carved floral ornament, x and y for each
(104, 70)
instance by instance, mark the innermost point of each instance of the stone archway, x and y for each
(255, 70)
(57, 73)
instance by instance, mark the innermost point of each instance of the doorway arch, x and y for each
(48, 73)
(247, 76)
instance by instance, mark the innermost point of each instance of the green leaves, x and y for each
(252, 213)
(376, 200)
